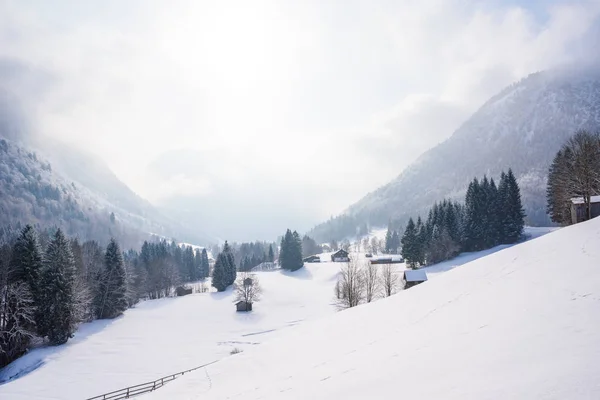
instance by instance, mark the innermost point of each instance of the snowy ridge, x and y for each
(519, 324)
(520, 128)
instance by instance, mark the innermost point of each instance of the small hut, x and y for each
(340, 256)
(579, 210)
(243, 306)
(312, 259)
(183, 291)
(413, 277)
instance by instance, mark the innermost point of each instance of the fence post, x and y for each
(127, 393)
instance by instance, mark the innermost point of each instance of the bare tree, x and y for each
(371, 277)
(350, 287)
(366, 245)
(585, 166)
(389, 280)
(575, 172)
(247, 288)
(375, 245)
(16, 315)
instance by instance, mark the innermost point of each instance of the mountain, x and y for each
(521, 128)
(75, 191)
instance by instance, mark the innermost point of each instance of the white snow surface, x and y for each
(162, 337)
(521, 323)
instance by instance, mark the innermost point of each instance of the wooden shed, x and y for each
(579, 208)
(340, 256)
(183, 291)
(312, 259)
(413, 277)
(243, 306)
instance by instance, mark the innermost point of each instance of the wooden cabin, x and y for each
(340, 256)
(312, 259)
(413, 277)
(183, 291)
(579, 209)
(243, 306)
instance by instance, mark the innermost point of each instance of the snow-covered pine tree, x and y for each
(111, 299)
(57, 291)
(26, 266)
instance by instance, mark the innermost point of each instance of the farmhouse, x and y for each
(579, 209)
(413, 277)
(340, 256)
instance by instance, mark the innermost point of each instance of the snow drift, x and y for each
(520, 323)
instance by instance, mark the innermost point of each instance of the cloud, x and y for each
(291, 108)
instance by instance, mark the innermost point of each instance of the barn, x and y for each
(413, 277)
(340, 256)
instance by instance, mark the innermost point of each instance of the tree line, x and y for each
(574, 172)
(491, 215)
(49, 283)
(46, 292)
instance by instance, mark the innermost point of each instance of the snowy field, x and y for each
(521, 323)
(166, 336)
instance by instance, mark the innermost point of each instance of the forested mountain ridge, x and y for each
(89, 201)
(520, 128)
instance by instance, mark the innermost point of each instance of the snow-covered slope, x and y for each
(522, 128)
(162, 337)
(519, 324)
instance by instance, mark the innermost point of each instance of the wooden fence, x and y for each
(142, 388)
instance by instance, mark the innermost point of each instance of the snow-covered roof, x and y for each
(415, 275)
(579, 200)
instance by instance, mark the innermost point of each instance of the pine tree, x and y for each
(110, 301)
(296, 254)
(26, 265)
(388, 240)
(219, 276)
(420, 242)
(395, 242)
(230, 269)
(515, 214)
(409, 247)
(198, 264)
(558, 195)
(205, 265)
(473, 228)
(271, 256)
(57, 285)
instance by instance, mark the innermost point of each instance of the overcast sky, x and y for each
(255, 116)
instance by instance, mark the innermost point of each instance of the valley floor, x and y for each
(166, 336)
